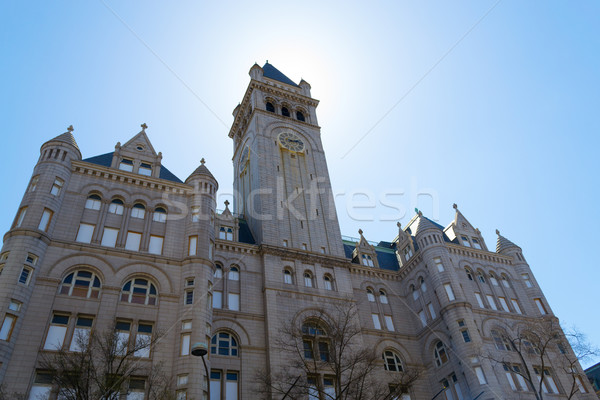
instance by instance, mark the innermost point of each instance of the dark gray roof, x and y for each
(386, 257)
(271, 72)
(66, 137)
(202, 170)
(245, 233)
(503, 243)
(106, 159)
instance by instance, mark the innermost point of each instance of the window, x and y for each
(21, 216)
(299, 116)
(392, 361)
(33, 183)
(308, 282)
(7, 327)
(139, 291)
(491, 301)
(42, 386)
(81, 334)
(218, 271)
(93, 202)
(580, 385)
(513, 375)
(185, 344)
(415, 292)
(224, 344)
(133, 241)
(109, 237)
(234, 274)
(56, 332)
(383, 297)
(452, 388)
(287, 276)
(308, 350)
(367, 260)
(160, 215)
(116, 207)
(423, 317)
(122, 329)
(137, 389)
(476, 243)
(215, 385)
(493, 279)
(465, 241)
(370, 295)
(189, 296)
(85, 232)
(25, 276)
(15, 305)
(449, 291)
(145, 169)
(540, 306)
(126, 165)
(479, 300)
(233, 301)
(505, 281)
(389, 323)
(143, 341)
(192, 244)
(270, 107)
(226, 233)
(423, 285)
(480, 277)
(376, 321)
(438, 262)
(182, 379)
(285, 112)
(527, 280)
(45, 220)
(195, 214)
(469, 274)
(431, 311)
(480, 375)
(503, 304)
(408, 253)
(217, 299)
(439, 354)
(515, 304)
(327, 282)
(138, 211)
(465, 335)
(304, 246)
(57, 187)
(81, 283)
(501, 341)
(231, 386)
(156, 245)
(285, 243)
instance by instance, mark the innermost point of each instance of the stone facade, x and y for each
(118, 238)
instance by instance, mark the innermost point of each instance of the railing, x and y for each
(354, 239)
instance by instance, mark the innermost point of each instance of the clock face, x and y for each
(244, 159)
(291, 141)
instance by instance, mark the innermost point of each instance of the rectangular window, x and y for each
(137, 389)
(580, 385)
(423, 317)
(431, 311)
(503, 304)
(233, 300)
(540, 306)
(195, 214)
(185, 344)
(491, 301)
(14, 305)
(45, 220)
(57, 187)
(156, 244)
(42, 386)
(476, 243)
(145, 169)
(217, 299)
(138, 211)
(31, 259)
(215, 385)
(186, 325)
(465, 241)
(516, 306)
(479, 300)
(329, 387)
(85, 232)
(527, 280)
(21, 216)
(143, 341)
(81, 334)
(285, 243)
(189, 296)
(126, 165)
(376, 321)
(480, 375)
(133, 241)
(181, 394)
(231, 386)
(109, 237)
(438, 263)
(308, 350)
(33, 183)
(93, 203)
(56, 332)
(192, 245)
(182, 379)
(7, 327)
(122, 328)
(465, 335)
(25, 276)
(449, 291)
(389, 324)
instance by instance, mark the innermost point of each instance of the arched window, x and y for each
(218, 271)
(439, 354)
(225, 233)
(138, 210)
(299, 116)
(367, 260)
(234, 274)
(328, 282)
(415, 292)
(370, 295)
(315, 342)
(116, 207)
(287, 276)
(93, 202)
(160, 215)
(285, 112)
(392, 361)
(139, 291)
(81, 283)
(480, 277)
(423, 285)
(493, 279)
(469, 274)
(270, 107)
(501, 341)
(308, 282)
(224, 344)
(505, 281)
(383, 297)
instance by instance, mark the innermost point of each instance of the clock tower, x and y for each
(281, 181)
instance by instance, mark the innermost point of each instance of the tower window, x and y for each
(270, 107)
(299, 116)
(285, 112)
(126, 165)
(57, 187)
(145, 169)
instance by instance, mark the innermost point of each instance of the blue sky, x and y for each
(490, 105)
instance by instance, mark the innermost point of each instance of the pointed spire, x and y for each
(66, 137)
(202, 170)
(503, 243)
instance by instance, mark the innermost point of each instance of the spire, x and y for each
(503, 243)
(66, 137)
(202, 170)
(269, 71)
(421, 223)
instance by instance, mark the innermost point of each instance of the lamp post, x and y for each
(200, 350)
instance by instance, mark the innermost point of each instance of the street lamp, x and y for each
(200, 350)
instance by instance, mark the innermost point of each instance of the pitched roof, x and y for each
(202, 170)
(422, 223)
(271, 72)
(105, 160)
(66, 137)
(503, 243)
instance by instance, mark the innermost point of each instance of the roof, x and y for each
(422, 223)
(105, 160)
(503, 243)
(271, 72)
(202, 170)
(386, 256)
(66, 137)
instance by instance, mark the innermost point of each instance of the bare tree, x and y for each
(326, 359)
(532, 350)
(104, 366)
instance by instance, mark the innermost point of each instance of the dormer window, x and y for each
(270, 107)
(465, 241)
(285, 112)
(225, 233)
(367, 260)
(145, 169)
(476, 244)
(407, 253)
(299, 116)
(138, 210)
(126, 165)
(116, 207)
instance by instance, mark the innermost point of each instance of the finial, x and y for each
(226, 203)
(202, 161)
(416, 210)
(70, 128)
(360, 232)
(267, 61)
(420, 213)
(497, 232)
(455, 206)
(399, 225)
(144, 126)
(477, 230)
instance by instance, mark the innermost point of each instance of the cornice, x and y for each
(304, 256)
(236, 247)
(479, 254)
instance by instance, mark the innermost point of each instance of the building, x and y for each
(117, 241)
(593, 374)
